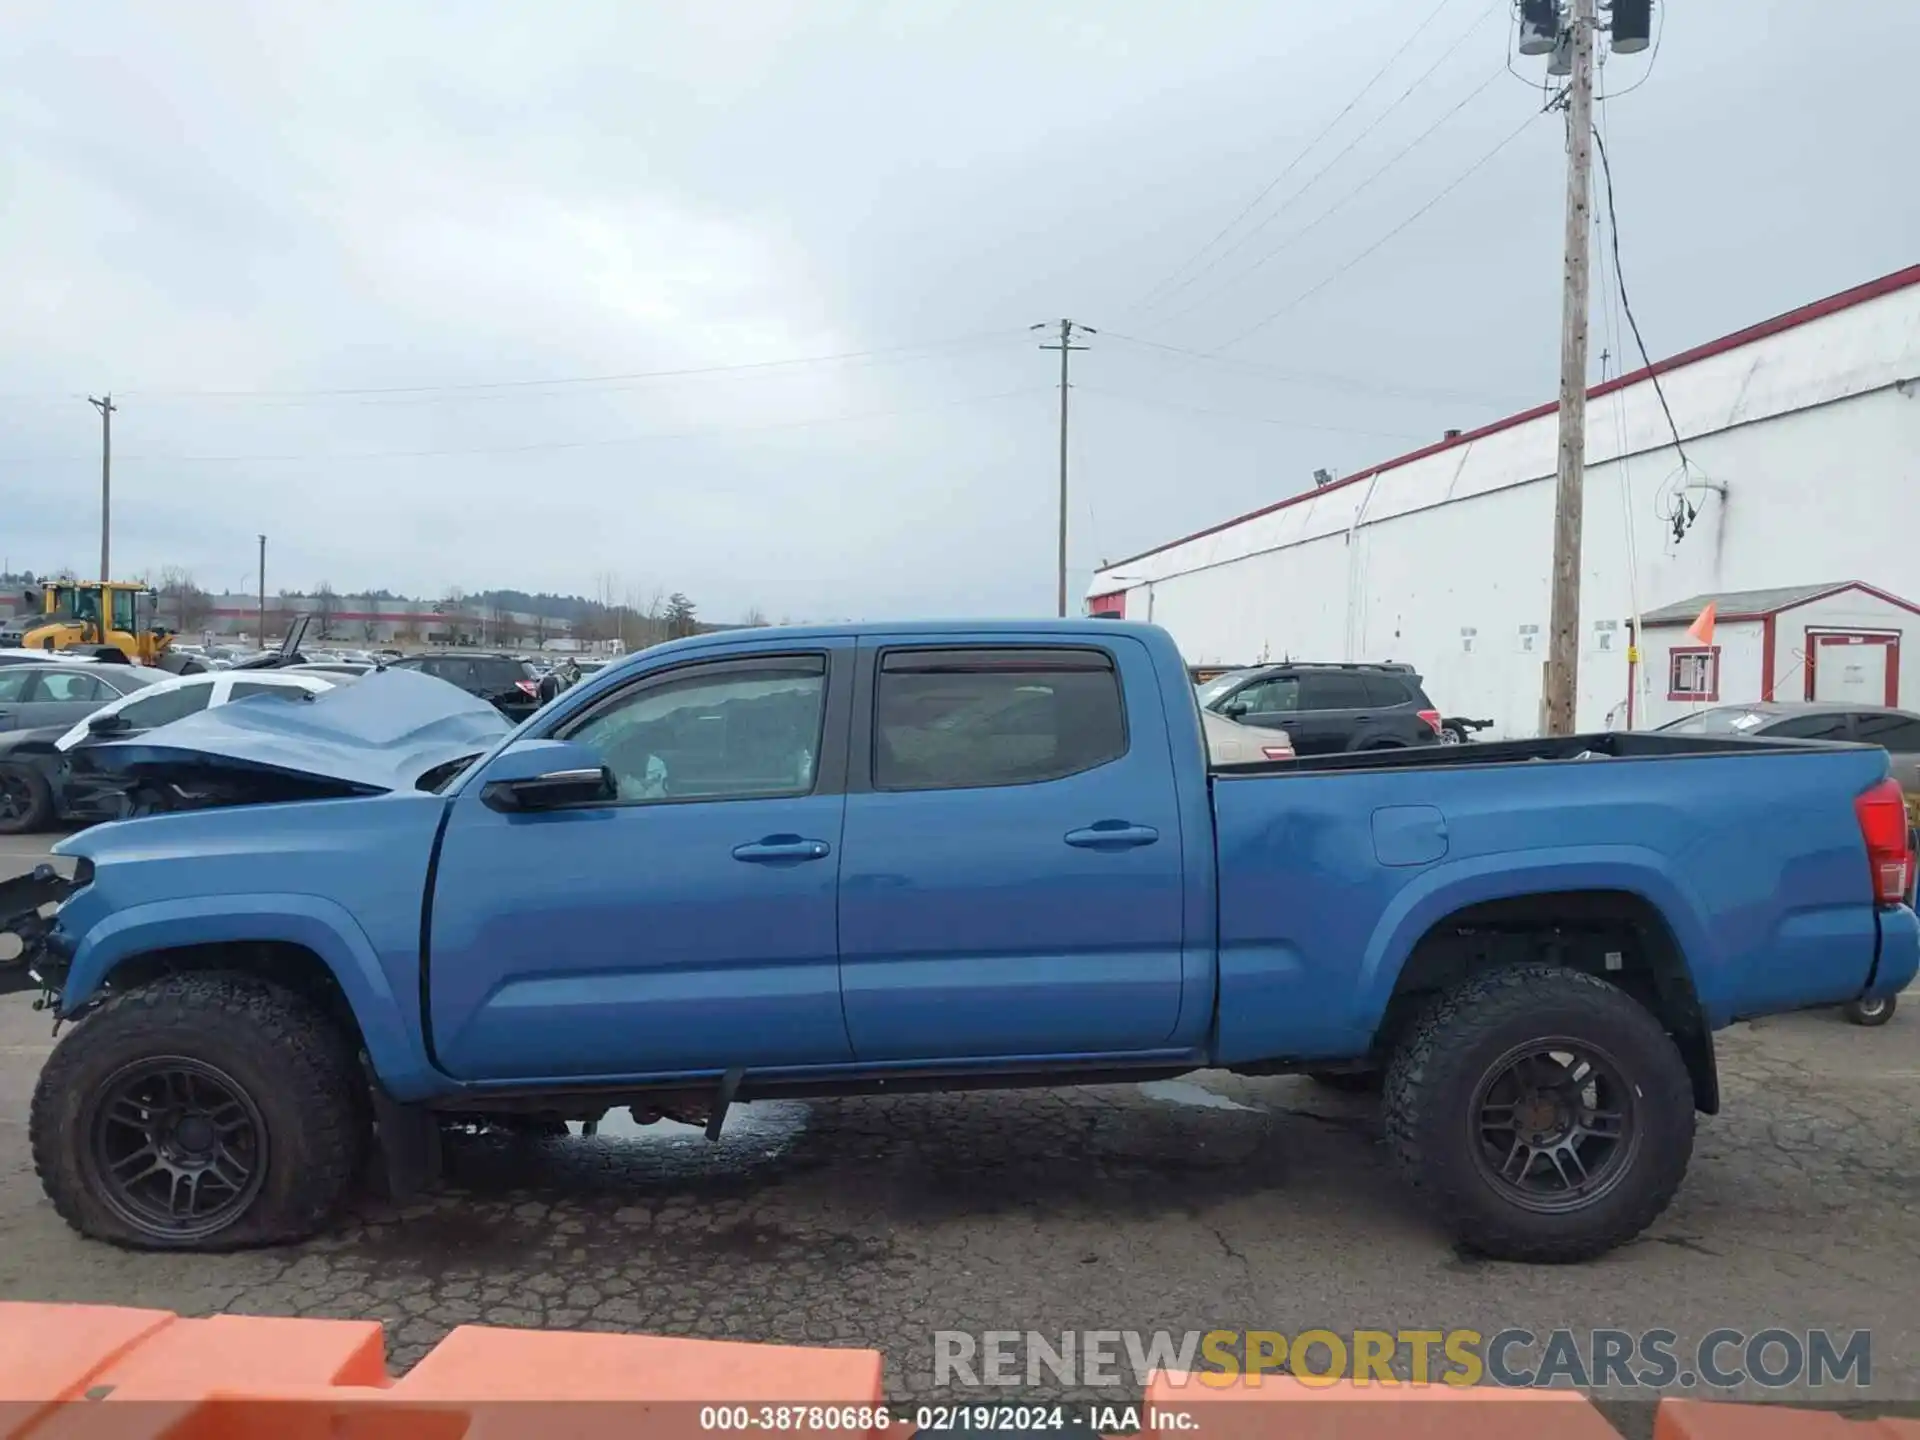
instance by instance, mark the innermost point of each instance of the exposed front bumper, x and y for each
(42, 961)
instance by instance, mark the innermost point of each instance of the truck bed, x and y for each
(1734, 852)
(1612, 745)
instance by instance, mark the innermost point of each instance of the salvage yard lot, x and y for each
(1215, 1203)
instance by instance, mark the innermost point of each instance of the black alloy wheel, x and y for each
(1554, 1125)
(177, 1147)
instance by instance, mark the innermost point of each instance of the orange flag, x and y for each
(1702, 628)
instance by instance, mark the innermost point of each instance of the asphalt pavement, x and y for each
(1215, 1202)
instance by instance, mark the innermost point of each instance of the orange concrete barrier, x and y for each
(1281, 1407)
(76, 1372)
(1703, 1420)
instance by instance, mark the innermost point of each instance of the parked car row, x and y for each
(45, 780)
(1329, 709)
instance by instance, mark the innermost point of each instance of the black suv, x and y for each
(509, 683)
(1329, 708)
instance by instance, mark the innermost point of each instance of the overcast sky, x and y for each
(451, 206)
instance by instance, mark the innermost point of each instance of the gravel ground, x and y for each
(1216, 1202)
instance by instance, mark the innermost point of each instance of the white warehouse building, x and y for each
(1797, 516)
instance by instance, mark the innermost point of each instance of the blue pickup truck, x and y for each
(819, 861)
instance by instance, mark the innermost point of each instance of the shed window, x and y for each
(1693, 673)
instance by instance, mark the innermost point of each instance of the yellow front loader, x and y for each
(92, 615)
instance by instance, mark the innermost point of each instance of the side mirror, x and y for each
(1235, 709)
(113, 724)
(547, 775)
(555, 790)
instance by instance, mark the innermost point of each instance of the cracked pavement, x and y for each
(1215, 1202)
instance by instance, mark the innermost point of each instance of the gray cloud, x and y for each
(270, 198)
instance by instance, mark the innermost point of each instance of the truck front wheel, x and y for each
(204, 1111)
(1544, 1112)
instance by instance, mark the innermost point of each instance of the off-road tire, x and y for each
(1437, 1071)
(39, 811)
(1348, 1082)
(1869, 1012)
(294, 1063)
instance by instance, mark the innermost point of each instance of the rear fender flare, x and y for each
(316, 924)
(1446, 888)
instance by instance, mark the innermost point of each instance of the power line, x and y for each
(1626, 305)
(1292, 164)
(1340, 155)
(1452, 185)
(1323, 380)
(547, 445)
(1341, 203)
(473, 387)
(1236, 415)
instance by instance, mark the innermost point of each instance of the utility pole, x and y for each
(106, 407)
(1066, 347)
(263, 592)
(1563, 627)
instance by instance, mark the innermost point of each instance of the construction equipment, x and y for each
(95, 615)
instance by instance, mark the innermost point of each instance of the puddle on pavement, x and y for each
(773, 1124)
(1185, 1092)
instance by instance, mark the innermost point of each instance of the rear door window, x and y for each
(1812, 727)
(68, 686)
(970, 719)
(1334, 690)
(1280, 695)
(244, 688)
(1385, 690)
(1898, 733)
(166, 707)
(497, 675)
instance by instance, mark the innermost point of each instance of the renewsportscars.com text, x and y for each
(1586, 1359)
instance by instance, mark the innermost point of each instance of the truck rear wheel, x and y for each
(201, 1112)
(1544, 1112)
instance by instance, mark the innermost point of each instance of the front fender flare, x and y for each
(1446, 888)
(316, 924)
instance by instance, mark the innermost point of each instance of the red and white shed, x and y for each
(1840, 641)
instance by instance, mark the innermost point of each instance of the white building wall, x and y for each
(1814, 433)
(1742, 647)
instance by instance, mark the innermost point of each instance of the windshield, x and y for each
(1220, 685)
(1728, 720)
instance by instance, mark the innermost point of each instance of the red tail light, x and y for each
(1277, 752)
(1882, 812)
(1432, 717)
(529, 688)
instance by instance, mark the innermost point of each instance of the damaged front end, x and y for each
(29, 911)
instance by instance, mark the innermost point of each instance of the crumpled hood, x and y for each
(382, 732)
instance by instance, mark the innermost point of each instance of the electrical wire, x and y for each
(1159, 404)
(1327, 381)
(1626, 305)
(511, 386)
(1337, 205)
(1338, 156)
(1637, 675)
(718, 432)
(1306, 150)
(1313, 290)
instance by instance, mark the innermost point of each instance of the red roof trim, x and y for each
(1792, 319)
(1828, 593)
